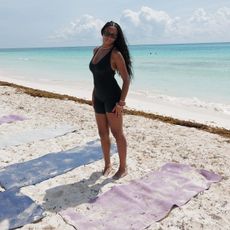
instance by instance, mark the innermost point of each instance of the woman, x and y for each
(108, 98)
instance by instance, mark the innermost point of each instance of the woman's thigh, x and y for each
(102, 124)
(115, 123)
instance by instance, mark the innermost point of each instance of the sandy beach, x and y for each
(151, 143)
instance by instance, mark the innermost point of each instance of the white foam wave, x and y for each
(24, 59)
(182, 101)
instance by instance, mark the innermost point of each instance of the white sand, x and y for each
(151, 143)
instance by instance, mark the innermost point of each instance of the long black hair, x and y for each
(120, 44)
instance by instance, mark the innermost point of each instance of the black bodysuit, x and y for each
(106, 89)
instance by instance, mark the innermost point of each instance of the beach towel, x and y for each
(138, 204)
(50, 165)
(17, 210)
(11, 118)
(31, 135)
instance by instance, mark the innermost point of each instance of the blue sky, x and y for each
(45, 23)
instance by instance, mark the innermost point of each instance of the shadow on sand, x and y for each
(71, 195)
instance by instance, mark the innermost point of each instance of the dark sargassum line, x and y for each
(40, 93)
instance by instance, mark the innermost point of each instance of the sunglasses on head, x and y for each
(108, 34)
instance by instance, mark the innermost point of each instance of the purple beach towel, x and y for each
(11, 118)
(143, 201)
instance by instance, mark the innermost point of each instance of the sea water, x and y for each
(196, 74)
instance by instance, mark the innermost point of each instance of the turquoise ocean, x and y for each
(189, 72)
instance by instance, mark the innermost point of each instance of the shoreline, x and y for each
(167, 119)
(209, 113)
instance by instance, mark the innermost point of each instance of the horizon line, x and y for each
(147, 44)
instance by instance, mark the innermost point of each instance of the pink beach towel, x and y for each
(11, 118)
(141, 202)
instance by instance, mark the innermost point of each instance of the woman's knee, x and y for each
(104, 134)
(118, 134)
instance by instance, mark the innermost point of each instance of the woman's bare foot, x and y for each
(120, 173)
(107, 170)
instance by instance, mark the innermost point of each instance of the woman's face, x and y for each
(109, 35)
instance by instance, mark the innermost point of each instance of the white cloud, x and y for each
(145, 25)
(85, 30)
(130, 17)
(204, 26)
(152, 26)
(199, 16)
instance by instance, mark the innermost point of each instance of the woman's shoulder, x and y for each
(96, 49)
(116, 53)
(115, 50)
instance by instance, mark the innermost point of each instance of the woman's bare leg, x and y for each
(116, 123)
(103, 130)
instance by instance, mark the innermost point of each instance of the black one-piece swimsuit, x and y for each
(106, 89)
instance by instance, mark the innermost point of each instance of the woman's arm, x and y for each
(118, 63)
(93, 97)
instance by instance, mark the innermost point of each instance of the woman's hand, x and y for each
(118, 109)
